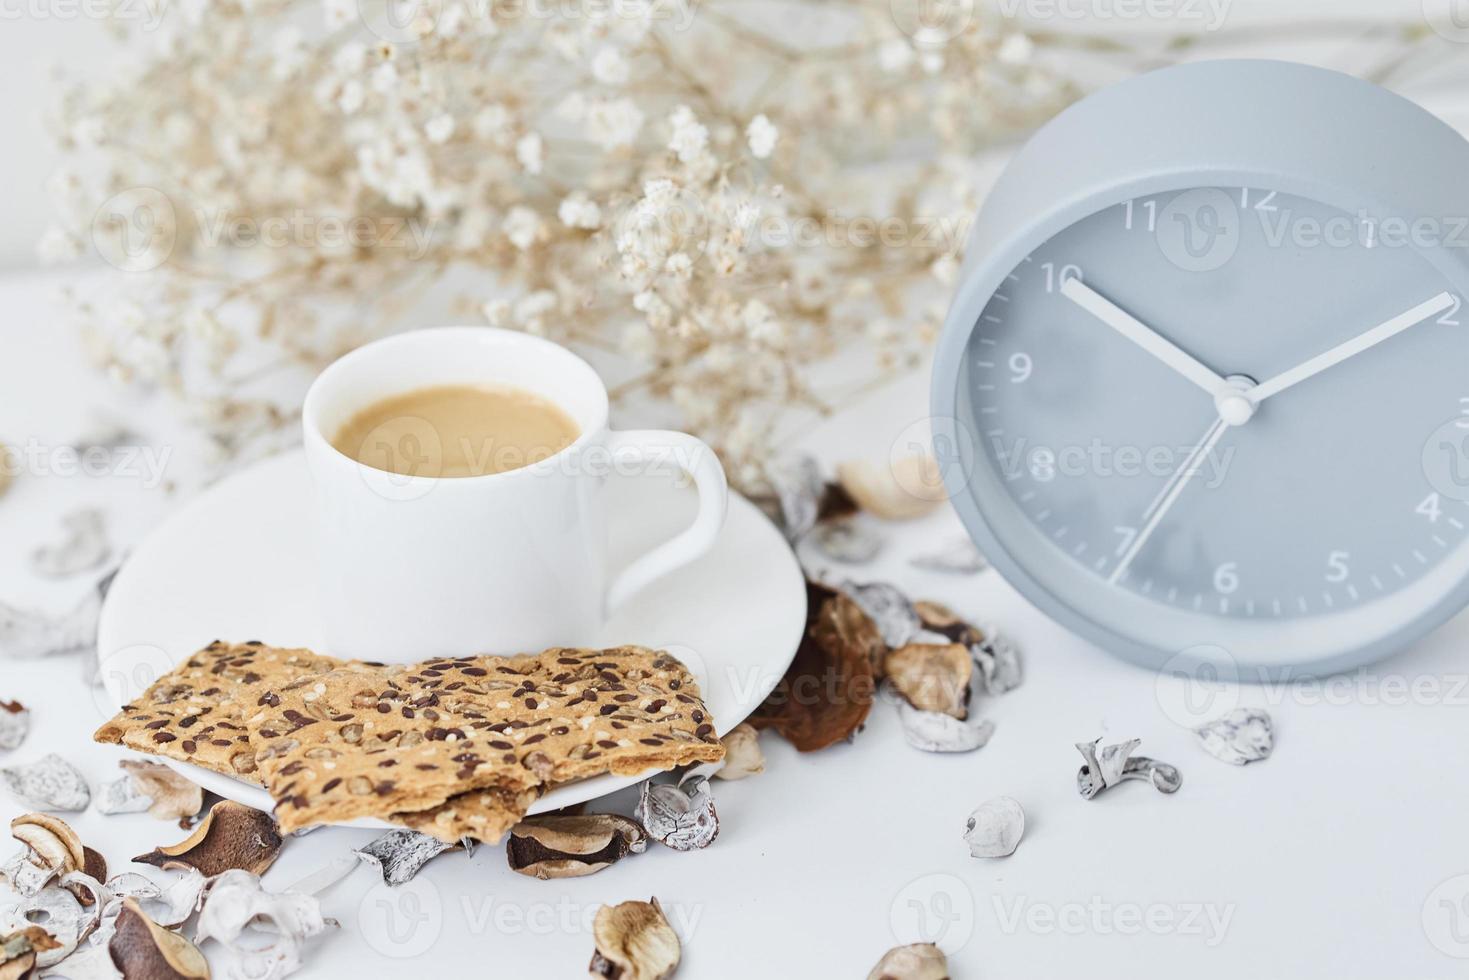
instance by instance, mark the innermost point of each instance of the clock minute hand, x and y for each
(1144, 336)
(1339, 353)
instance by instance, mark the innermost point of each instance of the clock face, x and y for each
(1163, 396)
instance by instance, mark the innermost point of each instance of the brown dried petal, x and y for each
(572, 845)
(933, 677)
(634, 942)
(52, 842)
(231, 836)
(827, 691)
(18, 951)
(920, 961)
(143, 950)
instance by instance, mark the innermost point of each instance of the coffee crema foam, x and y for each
(456, 431)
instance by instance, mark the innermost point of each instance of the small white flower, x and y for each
(680, 266)
(761, 134)
(89, 131)
(613, 124)
(496, 312)
(439, 128)
(578, 211)
(57, 245)
(609, 67)
(1015, 50)
(384, 79)
(350, 58)
(522, 226)
(338, 13)
(894, 56)
(288, 52)
(944, 269)
(689, 138)
(492, 123)
(351, 98)
(528, 152)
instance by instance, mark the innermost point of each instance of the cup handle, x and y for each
(693, 455)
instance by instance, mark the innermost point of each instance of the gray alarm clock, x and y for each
(1203, 392)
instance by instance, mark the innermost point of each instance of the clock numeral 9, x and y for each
(1021, 367)
(1056, 277)
(1226, 578)
(1336, 566)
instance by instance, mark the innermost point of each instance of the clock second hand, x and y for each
(1171, 493)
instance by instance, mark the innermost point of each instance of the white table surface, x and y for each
(1342, 856)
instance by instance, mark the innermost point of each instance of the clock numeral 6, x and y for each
(1336, 566)
(1226, 578)
(1056, 277)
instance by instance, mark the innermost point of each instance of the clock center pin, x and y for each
(1236, 407)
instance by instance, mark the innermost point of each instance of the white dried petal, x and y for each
(847, 541)
(399, 854)
(15, 723)
(995, 828)
(1116, 763)
(26, 633)
(235, 902)
(122, 796)
(168, 905)
(24, 875)
(1243, 736)
(998, 661)
(170, 793)
(85, 546)
(50, 783)
(58, 912)
(933, 731)
(959, 558)
(798, 489)
(889, 608)
(91, 961)
(682, 821)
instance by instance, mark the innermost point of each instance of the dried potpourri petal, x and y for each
(960, 557)
(84, 548)
(742, 755)
(50, 783)
(798, 490)
(1243, 736)
(920, 961)
(896, 490)
(236, 911)
(827, 691)
(399, 854)
(152, 786)
(932, 677)
(933, 731)
(634, 942)
(15, 723)
(232, 836)
(1116, 763)
(680, 820)
(995, 828)
(889, 608)
(143, 949)
(847, 541)
(572, 845)
(19, 950)
(996, 657)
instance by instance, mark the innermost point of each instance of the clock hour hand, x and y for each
(1144, 336)
(1339, 353)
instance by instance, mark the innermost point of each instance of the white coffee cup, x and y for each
(417, 566)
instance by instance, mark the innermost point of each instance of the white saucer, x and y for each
(236, 564)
